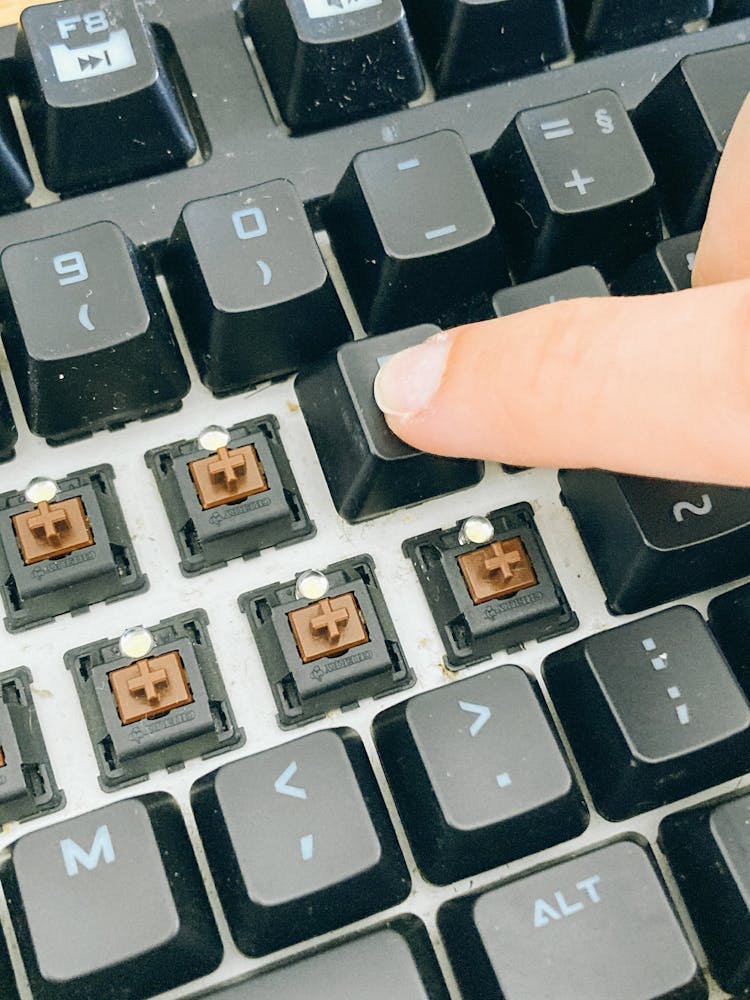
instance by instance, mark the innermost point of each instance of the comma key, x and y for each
(598, 925)
(111, 896)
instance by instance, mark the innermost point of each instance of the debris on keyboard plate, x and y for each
(229, 493)
(490, 584)
(326, 640)
(153, 699)
(64, 546)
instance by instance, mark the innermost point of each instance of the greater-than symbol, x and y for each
(283, 787)
(483, 716)
(307, 847)
(266, 271)
(84, 319)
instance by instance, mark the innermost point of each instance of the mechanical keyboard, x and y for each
(290, 709)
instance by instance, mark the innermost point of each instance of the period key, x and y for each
(110, 897)
(478, 775)
(597, 925)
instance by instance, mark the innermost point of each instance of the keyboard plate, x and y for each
(234, 128)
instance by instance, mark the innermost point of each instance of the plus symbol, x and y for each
(502, 560)
(227, 467)
(579, 182)
(46, 521)
(147, 682)
(329, 620)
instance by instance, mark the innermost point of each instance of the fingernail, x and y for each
(408, 381)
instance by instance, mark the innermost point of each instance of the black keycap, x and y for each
(299, 841)
(15, 179)
(652, 540)
(729, 10)
(652, 711)
(249, 282)
(576, 283)
(709, 851)
(684, 123)
(112, 897)
(413, 232)
(574, 184)
(599, 925)
(606, 25)
(87, 334)
(396, 961)
(468, 44)
(478, 776)
(95, 93)
(368, 469)
(729, 618)
(329, 61)
(666, 268)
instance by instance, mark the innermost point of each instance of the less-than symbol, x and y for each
(283, 787)
(483, 716)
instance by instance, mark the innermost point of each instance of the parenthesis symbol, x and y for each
(680, 509)
(266, 271)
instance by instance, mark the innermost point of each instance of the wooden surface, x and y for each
(11, 9)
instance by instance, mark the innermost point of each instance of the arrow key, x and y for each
(299, 841)
(478, 774)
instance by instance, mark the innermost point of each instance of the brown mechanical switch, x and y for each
(2, 757)
(230, 475)
(327, 627)
(150, 687)
(497, 570)
(52, 530)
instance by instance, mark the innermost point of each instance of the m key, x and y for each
(111, 897)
